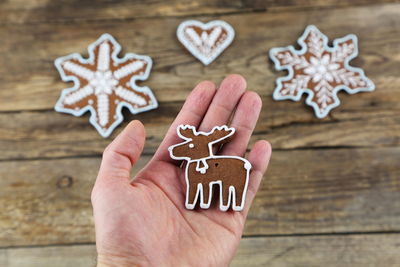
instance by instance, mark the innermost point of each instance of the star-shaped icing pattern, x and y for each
(104, 84)
(319, 70)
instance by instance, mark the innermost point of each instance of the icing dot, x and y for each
(90, 101)
(116, 101)
(191, 145)
(76, 108)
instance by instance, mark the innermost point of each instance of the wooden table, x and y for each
(331, 196)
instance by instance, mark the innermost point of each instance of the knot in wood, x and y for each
(65, 181)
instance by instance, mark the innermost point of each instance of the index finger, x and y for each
(192, 113)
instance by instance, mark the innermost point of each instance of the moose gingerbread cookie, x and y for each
(104, 84)
(206, 41)
(319, 70)
(204, 170)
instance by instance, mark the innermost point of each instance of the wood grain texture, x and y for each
(48, 201)
(316, 251)
(60, 256)
(29, 50)
(39, 11)
(338, 250)
(328, 179)
(360, 122)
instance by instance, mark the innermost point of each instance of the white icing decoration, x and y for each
(128, 69)
(205, 203)
(130, 96)
(191, 145)
(79, 70)
(322, 69)
(103, 83)
(212, 38)
(194, 36)
(205, 47)
(78, 95)
(103, 63)
(203, 169)
(102, 109)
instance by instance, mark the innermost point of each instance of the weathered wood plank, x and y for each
(365, 121)
(24, 12)
(29, 81)
(60, 256)
(305, 191)
(316, 251)
(66, 11)
(337, 250)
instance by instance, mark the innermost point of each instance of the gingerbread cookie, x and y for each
(204, 169)
(104, 84)
(205, 41)
(319, 70)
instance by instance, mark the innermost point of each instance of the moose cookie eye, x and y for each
(204, 169)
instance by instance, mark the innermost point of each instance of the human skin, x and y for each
(143, 221)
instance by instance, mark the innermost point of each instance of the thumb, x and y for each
(122, 153)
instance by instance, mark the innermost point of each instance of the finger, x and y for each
(192, 113)
(224, 102)
(122, 153)
(244, 120)
(259, 158)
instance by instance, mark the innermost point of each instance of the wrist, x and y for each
(117, 261)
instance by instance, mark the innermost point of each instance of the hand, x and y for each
(144, 221)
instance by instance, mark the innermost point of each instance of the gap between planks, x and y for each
(338, 234)
(247, 10)
(147, 154)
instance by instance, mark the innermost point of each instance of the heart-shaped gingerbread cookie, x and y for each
(205, 41)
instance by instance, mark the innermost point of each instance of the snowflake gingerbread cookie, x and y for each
(104, 84)
(206, 41)
(204, 170)
(319, 70)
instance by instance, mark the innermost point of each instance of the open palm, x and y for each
(144, 221)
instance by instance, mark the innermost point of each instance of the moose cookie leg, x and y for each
(239, 197)
(241, 189)
(227, 192)
(193, 191)
(206, 195)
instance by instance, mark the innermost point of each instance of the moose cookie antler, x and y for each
(204, 169)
